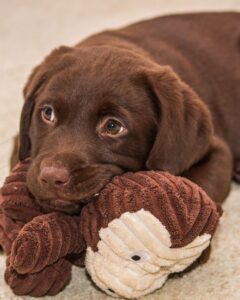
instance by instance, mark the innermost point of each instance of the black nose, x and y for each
(54, 176)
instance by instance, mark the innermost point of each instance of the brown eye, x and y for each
(48, 114)
(113, 127)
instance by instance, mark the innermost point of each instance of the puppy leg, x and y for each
(214, 172)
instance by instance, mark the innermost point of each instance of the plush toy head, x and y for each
(142, 227)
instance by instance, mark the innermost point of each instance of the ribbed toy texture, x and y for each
(44, 240)
(143, 227)
(164, 220)
(18, 203)
(49, 281)
(36, 243)
(182, 206)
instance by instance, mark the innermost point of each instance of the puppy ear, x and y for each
(29, 93)
(33, 87)
(184, 126)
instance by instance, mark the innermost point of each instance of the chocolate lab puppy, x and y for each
(162, 94)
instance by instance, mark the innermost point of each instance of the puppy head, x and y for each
(83, 122)
(94, 112)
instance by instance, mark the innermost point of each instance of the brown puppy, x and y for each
(162, 94)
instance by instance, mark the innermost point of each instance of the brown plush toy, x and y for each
(142, 227)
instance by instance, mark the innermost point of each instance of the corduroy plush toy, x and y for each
(143, 227)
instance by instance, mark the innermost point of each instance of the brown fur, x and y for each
(174, 81)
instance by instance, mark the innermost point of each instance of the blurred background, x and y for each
(29, 30)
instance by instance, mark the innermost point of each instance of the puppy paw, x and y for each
(43, 241)
(49, 281)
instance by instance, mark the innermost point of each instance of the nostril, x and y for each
(58, 182)
(54, 176)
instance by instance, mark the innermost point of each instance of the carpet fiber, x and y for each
(28, 31)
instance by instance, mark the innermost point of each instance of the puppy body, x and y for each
(174, 80)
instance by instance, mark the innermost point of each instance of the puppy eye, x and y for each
(112, 127)
(47, 114)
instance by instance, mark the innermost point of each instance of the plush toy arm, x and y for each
(20, 209)
(8, 232)
(17, 203)
(17, 206)
(49, 281)
(44, 240)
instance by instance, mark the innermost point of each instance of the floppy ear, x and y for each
(184, 126)
(29, 93)
(35, 82)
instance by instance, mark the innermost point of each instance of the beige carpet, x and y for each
(28, 31)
